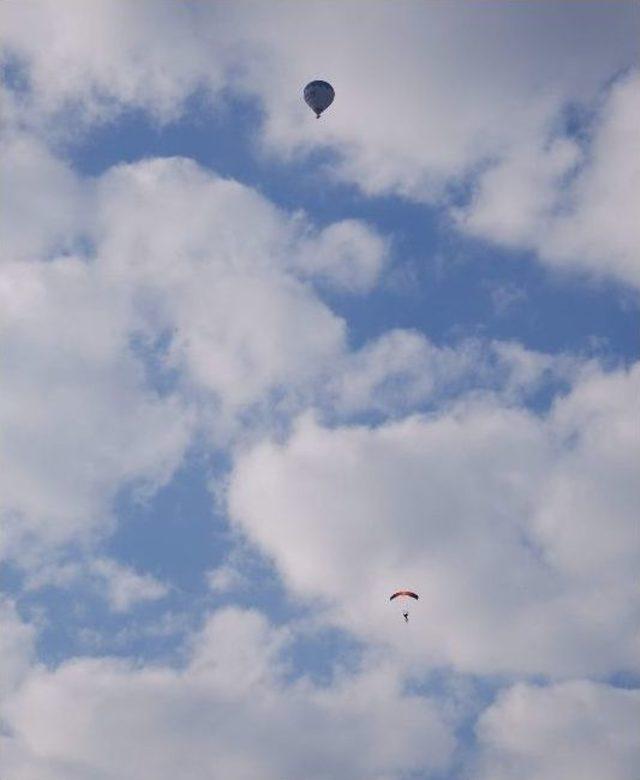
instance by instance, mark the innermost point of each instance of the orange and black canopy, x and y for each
(404, 593)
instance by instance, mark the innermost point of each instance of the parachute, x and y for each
(409, 593)
(404, 598)
(318, 95)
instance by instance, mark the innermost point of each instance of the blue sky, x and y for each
(262, 370)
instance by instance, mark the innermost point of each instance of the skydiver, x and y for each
(405, 615)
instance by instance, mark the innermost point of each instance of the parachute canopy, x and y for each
(318, 95)
(408, 593)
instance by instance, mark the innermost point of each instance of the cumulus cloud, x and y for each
(43, 202)
(244, 322)
(574, 206)
(232, 711)
(465, 81)
(402, 371)
(125, 588)
(17, 647)
(396, 372)
(100, 60)
(518, 195)
(476, 97)
(577, 729)
(121, 586)
(154, 55)
(348, 255)
(517, 529)
(171, 288)
(160, 299)
(167, 288)
(79, 421)
(225, 578)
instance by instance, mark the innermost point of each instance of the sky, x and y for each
(259, 371)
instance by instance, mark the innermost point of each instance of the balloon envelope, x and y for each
(318, 95)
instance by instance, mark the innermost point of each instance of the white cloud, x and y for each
(403, 370)
(101, 59)
(395, 372)
(466, 82)
(125, 588)
(516, 529)
(586, 519)
(244, 325)
(44, 203)
(246, 336)
(575, 208)
(231, 712)
(457, 69)
(225, 578)
(521, 193)
(234, 709)
(348, 254)
(174, 285)
(519, 371)
(600, 231)
(79, 421)
(17, 646)
(471, 88)
(577, 729)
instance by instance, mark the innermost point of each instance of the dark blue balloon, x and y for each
(318, 95)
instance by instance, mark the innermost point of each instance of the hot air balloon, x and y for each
(318, 95)
(404, 598)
